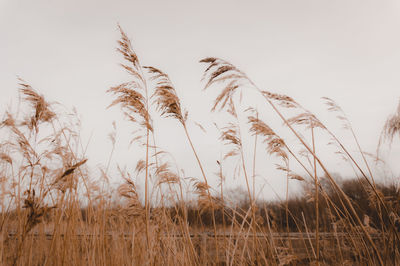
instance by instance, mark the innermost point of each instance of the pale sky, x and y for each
(346, 50)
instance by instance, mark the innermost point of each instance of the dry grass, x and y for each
(54, 213)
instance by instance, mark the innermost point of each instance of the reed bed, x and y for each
(53, 212)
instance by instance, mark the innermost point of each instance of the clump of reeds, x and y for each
(224, 73)
(55, 212)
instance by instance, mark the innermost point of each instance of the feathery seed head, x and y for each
(283, 100)
(40, 106)
(165, 95)
(392, 125)
(132, 95)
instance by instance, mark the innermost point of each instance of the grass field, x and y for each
(54, 213)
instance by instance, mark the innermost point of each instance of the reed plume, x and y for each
(391, 127)
(42, 111)
(275, 144)
(165, 96)
(128, 191)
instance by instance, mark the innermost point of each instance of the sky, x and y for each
(346, 50)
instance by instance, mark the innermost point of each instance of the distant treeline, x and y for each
(301, 210)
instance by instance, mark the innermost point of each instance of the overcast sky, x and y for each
(346, 50)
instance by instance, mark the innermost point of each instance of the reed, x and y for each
(54, 211)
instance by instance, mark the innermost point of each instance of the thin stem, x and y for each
(146, 196)
(146, 187)
(205, 181)
(222, 200)
(287, 197)
(254, 163)
(316, 195)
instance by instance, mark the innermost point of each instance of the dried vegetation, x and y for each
(53, 212)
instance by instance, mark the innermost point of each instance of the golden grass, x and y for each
(54, 213)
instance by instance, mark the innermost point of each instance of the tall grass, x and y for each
(54, 212)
